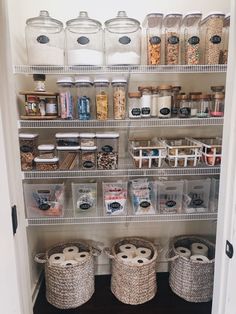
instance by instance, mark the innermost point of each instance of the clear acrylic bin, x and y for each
(211, 150)
(84, 198)
(68, 157)
(115, 198)
(214, 194)
(44, 200)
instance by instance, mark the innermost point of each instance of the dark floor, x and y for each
(104, 302)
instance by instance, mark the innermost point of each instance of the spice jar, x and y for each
(153, 26)
(68, 157)
(46, 151)
(102, 97)
(28, 150)
(204, 106)
(154, 104)
(172, 38)
(84, 97)
(66, 100)
(184, 106)
(87, 139)
(146, 100)
(225, 36)
(107, 150)
(43, 164)
(39, 80)
(194, 103)
(32, 105)
(51, 107)
(164, 102)
(134, 105)
(218, 105)
(88, 157)
(119, 98)
(174, 102)
(67, 139)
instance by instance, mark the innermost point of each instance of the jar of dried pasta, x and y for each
(101, 98)
(119, 98)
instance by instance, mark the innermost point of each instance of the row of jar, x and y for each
(146, 196)
(86, 151)
(171, 40)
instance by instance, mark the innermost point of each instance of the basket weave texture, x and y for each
(192, 280)
(133, 284)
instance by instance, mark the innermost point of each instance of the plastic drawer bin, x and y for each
(115, 198)
(84, 198)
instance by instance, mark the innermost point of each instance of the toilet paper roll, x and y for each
(199, 258)
(199, 249)
(143, 252)
(56, 259)
(124, 256)
(70, 251)
(69, 263)
(128, 247)
(183, 251)
(81, 256)
(139, 260)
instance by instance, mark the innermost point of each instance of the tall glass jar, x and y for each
(102, 98)
(146, 101)
(44, 40)
(175, 103)
(84, 97)
(154, 104)
(184, 106)
(134, 105)
(164, 102)
(122, 40)
(66, 99)
(218, 105)
(204, 107)
(119, 98)
(194, 104)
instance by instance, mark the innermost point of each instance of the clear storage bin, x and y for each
(153, 27)
(196, 195)
(43, 164)
(44, 40)
(214, 194)
(67, 139)
(46, 151)
(119, 98)
(68, 157)
(84, 98)
(84, 41)
(28, 150)
(84, 198)
(122, 40)
(107, 150)
(211, 150)
(65, 85)
(88, 157)
(170, 196)
(44, 200)
(190, 29)
(87, 139)
(134, 105)
(225, 36)
(102, 98)
(172, 38)
(115, 198)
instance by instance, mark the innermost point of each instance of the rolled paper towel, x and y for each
(183, 251)
(69, 263)
(128, 247)
(199, 249)
(81, 256)
(139, 260)
(70, 251)
(143, 252)
(199, 258)
(56, 259)
(124, 256)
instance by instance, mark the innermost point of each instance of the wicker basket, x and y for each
(133, 284)
(71, 286)
(191, 280)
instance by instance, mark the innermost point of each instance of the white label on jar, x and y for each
(164, 107)
(146, 102)
(51, 108)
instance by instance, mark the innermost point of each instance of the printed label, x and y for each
(170, 203)
(136, 112)
(26, 149)
(194, 40)
(185, 111)
(107, 149)
(197, 202)
(155, 40)
(124, 40)
(215, 39)
(165, 111)
(115, 206)
(83, 40)
(84, 206)
(173, 40)
(88, 164)
(146, 111)
(145, 204)
(44, 206)
(42, 39)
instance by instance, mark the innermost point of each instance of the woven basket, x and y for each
(133, 284)
(71, 286)
(191, 280)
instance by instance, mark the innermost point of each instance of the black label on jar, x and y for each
(197, 202)
(174, 111)
(185, 111)
(107, 149)
(215, 39)
(155, 40)
(88, 164)
(115, 206)
(136, 112)
(82, 40)
(146, 110)
(42, 39)
(194, 40)
(173, 40)
(26, 149)
(165, 111)
(44, 206)
(145, 204)
(84, 206)
(124, 40)
(170, 203)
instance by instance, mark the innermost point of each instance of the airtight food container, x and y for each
(107, 150)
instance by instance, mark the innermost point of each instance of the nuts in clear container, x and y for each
(119, 98)
(28, 150)
(42, 164)
(88, 157)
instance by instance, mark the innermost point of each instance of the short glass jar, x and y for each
(194, 104)
(146, 100)
(204, 107)
(218, 104)
(184, 106)
(134, 105)
(164, 102)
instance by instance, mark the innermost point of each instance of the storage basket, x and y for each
(69, 286)
(211, 150)
(191, 280)
(133, 284)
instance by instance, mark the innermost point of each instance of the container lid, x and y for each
(101, 81)
(143, 87)
(43, 20)
(46, 147)
(227, 20)
(28, 135)
(117, 81)
(67, 148)
(217, 88)
(134, 95)
(83, 80)
(165, 87)
(65, 80)
(84, 24)
(153, 20)
(122, 23)
(46, 160)
(191, 18)
(87, 135)
(212, 14)
(66, 135)
(171, 19)
(90, 148)
(182, 97)
(107, 135)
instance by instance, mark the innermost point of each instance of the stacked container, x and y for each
(102, 98)
(119, 98)
(84, 97)
(225, 48)
(28, 150)
(65, 96)
(107, 150)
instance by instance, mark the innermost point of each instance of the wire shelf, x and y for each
(139, 69)
(128, 123)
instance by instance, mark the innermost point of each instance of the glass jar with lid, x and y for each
(51, 106)
(84, 97)
(122, 40)
(44, 40)
(154, 104)
(146, 100)
(153, 27)
(218, 105)
(102, 98)
(164, 102)
(172, 38)
(194, 103)
(204, 107)
(119, 98)
(84, 41)
(184, 106)
(174, 102)
(66, 105)
(191, 38)
(225, 35)
(134, 105)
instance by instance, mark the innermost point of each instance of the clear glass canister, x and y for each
(122, 40)
(84, 87)
(146, 100)
(194, 104)
(204, 106)
(119, 98)
(164, 102)
(134, 105)
(211, 29)
(175, 103)
(44, 40)
(184, 106)
(225, 35)
(153, 27)
(172, 38)
(88, 157)
(102, 98)
(66, 105)
(68, 157)
(46, 151)
(28, 150)
(190, 29)
(218, 105)
(87, 139)
(107, 150)
(154, 104)
(84, 41)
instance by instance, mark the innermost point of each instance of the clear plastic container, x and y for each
(214, 194)
(119, 98)
(65, 85)
(44, 40)
(225, 36)
(184, 106)
(84, 41)
(102, 98)
(218, 105)
(134, 105)
(122, 40)
(204, 106)
(43, 164)
(164, 102)
(175, 102)
(84, 198)
(87, 139)
(28, 150)
(68, 157)
(190, 30)
(172, 38)
(146, 100)
(115, 196)
(153, 27)
(88, 157)
(46, 151)
(107, 150)
(84, 87)
(211, 29)
(67, 139)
